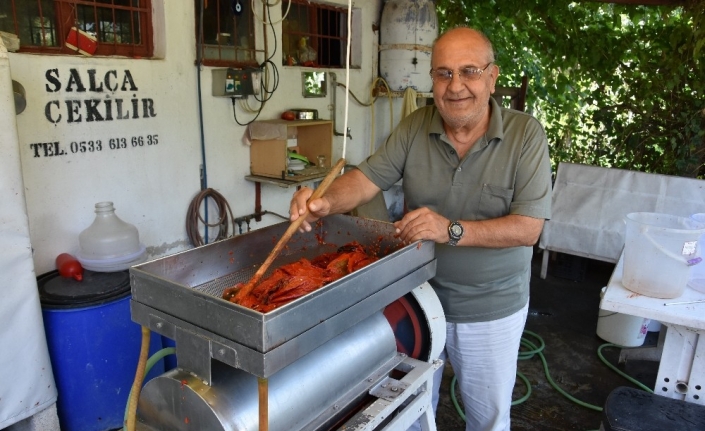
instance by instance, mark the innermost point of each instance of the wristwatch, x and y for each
(455, 231)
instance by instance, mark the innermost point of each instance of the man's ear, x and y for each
(494, 71)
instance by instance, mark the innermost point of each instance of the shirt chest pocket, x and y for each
(495, 201)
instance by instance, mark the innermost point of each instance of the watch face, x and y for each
(456, 230)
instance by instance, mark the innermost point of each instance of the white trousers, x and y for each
(484, 359)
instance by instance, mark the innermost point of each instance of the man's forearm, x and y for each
(349, 191)
(507, 231)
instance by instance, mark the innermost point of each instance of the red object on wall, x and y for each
(80, 41)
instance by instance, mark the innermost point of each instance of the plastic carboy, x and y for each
(108, 236)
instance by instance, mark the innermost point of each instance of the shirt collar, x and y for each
(495, 129)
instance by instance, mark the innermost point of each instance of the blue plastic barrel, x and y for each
(94, 351)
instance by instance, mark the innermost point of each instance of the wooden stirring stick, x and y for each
(293, 227)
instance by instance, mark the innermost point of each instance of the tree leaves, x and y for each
(614, 85)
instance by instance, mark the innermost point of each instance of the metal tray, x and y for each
(189, 285)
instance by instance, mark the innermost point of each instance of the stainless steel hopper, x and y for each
(179, 296)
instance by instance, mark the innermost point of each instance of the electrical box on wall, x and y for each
(232, 82)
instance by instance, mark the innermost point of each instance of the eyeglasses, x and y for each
(465, 74)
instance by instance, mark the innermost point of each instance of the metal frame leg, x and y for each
(544, 263)
(393, 395)
(681, 374)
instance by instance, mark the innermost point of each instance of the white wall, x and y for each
(152, 186)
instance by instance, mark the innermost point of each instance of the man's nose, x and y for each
(456, 83)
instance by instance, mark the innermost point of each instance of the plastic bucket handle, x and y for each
(643, 230)
(698, 217)
(689, 262)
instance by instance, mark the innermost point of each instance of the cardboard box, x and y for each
(271, 141)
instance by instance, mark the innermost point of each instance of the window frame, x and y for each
(201, 45)
(64, 11)
(315, 35)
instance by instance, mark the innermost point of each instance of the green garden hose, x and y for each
(534, 350)
(150, 363)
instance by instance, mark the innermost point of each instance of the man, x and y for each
(477, 181)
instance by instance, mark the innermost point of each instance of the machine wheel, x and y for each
(409, 326)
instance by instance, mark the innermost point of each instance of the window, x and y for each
(314, 34)
(119, 27)
(228, 35)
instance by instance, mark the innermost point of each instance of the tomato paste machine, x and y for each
(356, 354)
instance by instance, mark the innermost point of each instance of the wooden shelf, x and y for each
(381, 91)
(294, 182)
(399, 94)
(295, 122)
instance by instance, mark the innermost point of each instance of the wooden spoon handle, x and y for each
(293, 227)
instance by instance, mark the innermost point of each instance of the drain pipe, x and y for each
(334, 85)
(204, 170)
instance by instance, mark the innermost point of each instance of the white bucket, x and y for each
(621, 329)
(659, 251)
(654, 326)
(697, 273)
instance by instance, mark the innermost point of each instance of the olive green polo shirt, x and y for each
(507, 171)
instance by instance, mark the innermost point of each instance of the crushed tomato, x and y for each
(294, 280)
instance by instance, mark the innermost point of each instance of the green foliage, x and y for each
(614, 85)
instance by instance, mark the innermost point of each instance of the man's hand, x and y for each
(423, 223)
(345, 193)
(317, 208)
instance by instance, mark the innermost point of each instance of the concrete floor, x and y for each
(563, 311)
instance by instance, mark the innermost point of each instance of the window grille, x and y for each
(119, 27)
(228, 36)
(314, 34)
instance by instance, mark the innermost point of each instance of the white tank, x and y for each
(407, 31)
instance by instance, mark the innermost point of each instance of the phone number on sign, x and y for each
(136, 141)
(50, 149)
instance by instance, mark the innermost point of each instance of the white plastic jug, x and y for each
(659, 251)
(109, 244)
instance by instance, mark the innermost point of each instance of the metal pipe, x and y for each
(334, 85)
(204, 169)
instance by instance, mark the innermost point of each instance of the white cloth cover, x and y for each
(26, 379)
(590, 202)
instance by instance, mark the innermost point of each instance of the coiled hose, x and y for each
(193, 217)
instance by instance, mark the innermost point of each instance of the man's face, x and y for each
(462, 101)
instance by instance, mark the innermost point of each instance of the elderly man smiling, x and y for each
(477, 182)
